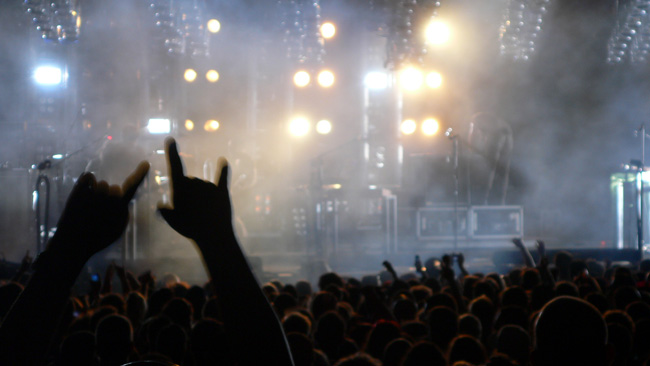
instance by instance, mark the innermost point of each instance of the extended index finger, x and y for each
(174, 162)
(133, 181)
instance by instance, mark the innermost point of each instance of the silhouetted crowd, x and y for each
(558, 311)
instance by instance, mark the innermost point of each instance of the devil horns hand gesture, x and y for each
(200, 210)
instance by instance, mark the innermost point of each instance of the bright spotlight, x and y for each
(437, 33)
(159, 125)
(189, 75)
(324, 127)
(327, 30)
(430, 126)
(214, 26)
(189, 124)
(411, 79)
(299, 127)
(326, 78)
(434, 80)
(301, 78)
(48, 75)
(212, 76)
(408, 126)
(376, 80)
(211, 125)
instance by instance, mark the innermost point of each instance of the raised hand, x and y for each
(95, 214)
(200, 210)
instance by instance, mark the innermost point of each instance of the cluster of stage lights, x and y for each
(210, 125)
(410, 79)
(211, 75)
(429, 126)
(301, 126)
(302, 78)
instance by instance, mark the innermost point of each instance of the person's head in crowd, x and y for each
(638, 310)
(498, 281)
(196, 296)
(562, 260)
(358, 359)
(514, 295)
(278, 284)
(270, 291)
(619, 317)
(566, 288)
(303, 288)
(329, 278)
(514, 341)
(114, 340)
(433, 284)
(322, 302)
(644, 266)
(157, 300)
(211, 309)
(169, 280)
(530, 278)
(595, 268)
(291, 290)
(424, 353)
(77, 349)
(179, 311)
(209, 344)
(380, 335)
(345, 310)
(180, 289)
(153, 327)
(171, 342)
(115, 300)
(404, 310)
(421, 293)
(599, 301)
(433, 270)
(625, 295)
(329, 331)
(467, 348)
(514, 277)
(296, 322)
(395, 352)
(484, 310)
(540, 295)
(136, 307)
(8, 294)
(284, 302)
(468, 286)
(469, 324)
(99, 314)
(302, 350)
(621, 339)
(511, 314)
(642, 340)
(499, 359)
(570, 331)
(443, 325)
(623, 277)
(485, 287)
(442, 299)
(577, 267)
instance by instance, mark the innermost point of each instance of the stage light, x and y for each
(411, 79)
(159, 125)
(212, 76)
(376, 80)
(408, 126)
(48, 75)
(189, 124)
(430, 126)
(324, 127)
(189, 75)
(301, 78)
(211, 125)
(57, 156)
(214, 26)
(326, 78)
(434, 80)
(327, 30)
(437, 33)
(299, 127)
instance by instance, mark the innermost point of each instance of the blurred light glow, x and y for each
(437, 33)
(57, 156)
(48, 75)
(211, 125)
(430, 126)
(376, 80)
(189, 75)
(326, 78)
(159, 125)
(189, 124)
(214, 26)
(434, 80)
(324, 127)
(301, 78)
(328, 30)
(212, 76)
(411, 79)
(408, 126)
(299, 127)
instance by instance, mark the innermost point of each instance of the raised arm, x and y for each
(525, 254)
(202, 212)
(95, 215)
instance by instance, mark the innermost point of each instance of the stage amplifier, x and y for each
(496, 222)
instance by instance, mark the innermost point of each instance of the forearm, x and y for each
(247, 314)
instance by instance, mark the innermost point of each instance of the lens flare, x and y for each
(328, 30)
(408, 126)
(189, 75)
(214, 26)
(324, 127)
(411, 79)
(325, 78)
(437, 33)
(301, 78)
(430, 126)
(299, 127)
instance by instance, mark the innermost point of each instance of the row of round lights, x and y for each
(301, 126)
(214, 26)
(211, 75)
(429, 126)
(412, 79)
(302, 78)
(328, 30)
(209, 125)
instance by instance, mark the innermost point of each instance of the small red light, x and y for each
(109, 137)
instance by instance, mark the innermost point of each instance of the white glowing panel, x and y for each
(376, 80)
(48, 75)
(159, 125)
